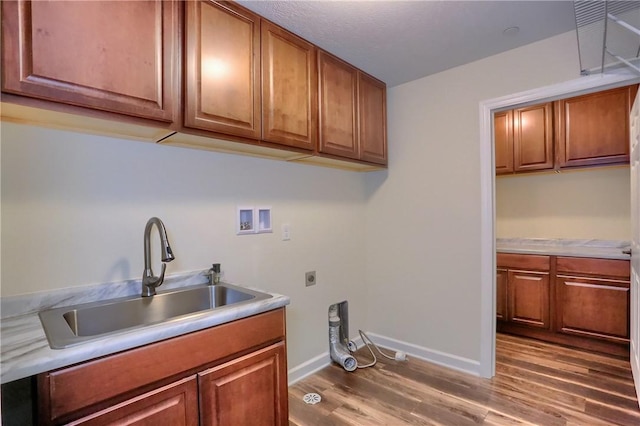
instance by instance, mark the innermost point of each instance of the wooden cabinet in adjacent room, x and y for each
(593, 298)
(524, 139)
(289, 88)
(501, 294)
(111, 56)
(222, 69)
(594, 129)
(352, 112)
(523, 289)
(503, 141)
(528, 298)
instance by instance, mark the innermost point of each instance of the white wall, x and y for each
(587, 203)
(74, 209)
(423, 215)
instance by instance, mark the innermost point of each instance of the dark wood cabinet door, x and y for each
(528, 298)
(113, 56)
(174, 404)
(251, 390)
(372, 105)
(222, 69)
(594, 129)
(501, 294)
(593, 307)
(338, 82)
(289, 88)
(533, 138)
(503, 141)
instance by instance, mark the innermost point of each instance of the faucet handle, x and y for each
(161, 277)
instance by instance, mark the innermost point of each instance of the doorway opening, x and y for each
(567, 89)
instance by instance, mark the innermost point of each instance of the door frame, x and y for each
(580, 86)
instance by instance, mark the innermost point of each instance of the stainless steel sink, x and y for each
(72, 325)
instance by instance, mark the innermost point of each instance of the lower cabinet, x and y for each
(528, 296)
(175, 404)
(581, 302)
(522, 290)
(501, 294)
(245, 391)
(593, 298)
(231, 374)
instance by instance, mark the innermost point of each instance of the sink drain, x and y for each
(312, 398)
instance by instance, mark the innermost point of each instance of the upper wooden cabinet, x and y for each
(289, 94)
(372, 101)
(594, 129)
(524, 139)
(110, 56)
(222, 69)
(205, 74)
(533, 138)
(503, 141)
(582, 131)
(352, 112)
(338, 107)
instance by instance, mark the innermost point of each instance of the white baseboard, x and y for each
(441, 358)
(307, 368)
(437, 357)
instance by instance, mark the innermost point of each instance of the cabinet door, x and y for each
(528, 298)
(594, 129)
(289, 88)
(372, 105)
(251, 390)
(593, 307)
(533, 138)
(338, 107)
(222, 69)
(503, 141)
(105, 55)
(174, 404)
(501, 294)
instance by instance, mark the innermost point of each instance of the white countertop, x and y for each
(602, 249)
(26, 351)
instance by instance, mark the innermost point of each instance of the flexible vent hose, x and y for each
(337, 349)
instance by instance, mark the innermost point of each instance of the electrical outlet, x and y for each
(310, 278)
(286, 232)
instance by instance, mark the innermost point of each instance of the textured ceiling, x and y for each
(400, 41)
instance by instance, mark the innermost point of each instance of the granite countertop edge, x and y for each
(26, 351)
(600, 249)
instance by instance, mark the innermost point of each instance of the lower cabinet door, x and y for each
(528, 298)
(174, 404)
(250, 390)
(593, 307)
(501, 294)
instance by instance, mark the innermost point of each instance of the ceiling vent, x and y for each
(608, 35)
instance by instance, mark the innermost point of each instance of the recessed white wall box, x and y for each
(246, 221)
(264, 219)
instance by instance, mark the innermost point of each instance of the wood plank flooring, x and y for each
(536, 383)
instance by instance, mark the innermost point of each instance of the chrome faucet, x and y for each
(149, 281)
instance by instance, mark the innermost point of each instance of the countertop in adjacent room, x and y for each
(602, 249)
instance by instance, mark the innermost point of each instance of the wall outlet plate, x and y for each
(310, 278)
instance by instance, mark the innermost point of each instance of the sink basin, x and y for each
(72, 325)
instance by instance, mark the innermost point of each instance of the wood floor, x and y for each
(535, 383)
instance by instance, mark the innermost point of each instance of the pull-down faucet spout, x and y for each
(149, 281)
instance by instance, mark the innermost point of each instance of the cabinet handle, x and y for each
(627, 252)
